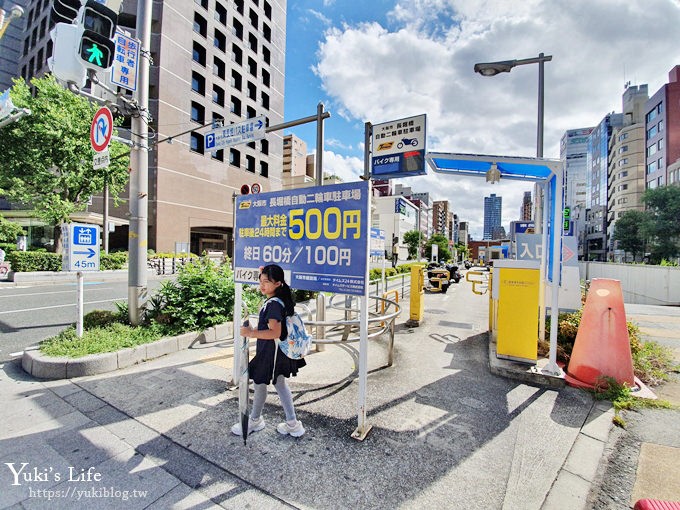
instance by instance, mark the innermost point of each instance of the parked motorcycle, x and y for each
(435, 272)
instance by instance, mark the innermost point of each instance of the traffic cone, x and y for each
(602, 347)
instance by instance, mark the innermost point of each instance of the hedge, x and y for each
(30, 261)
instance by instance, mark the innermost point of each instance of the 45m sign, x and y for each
(319, 236)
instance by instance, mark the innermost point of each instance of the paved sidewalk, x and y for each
(447, 433)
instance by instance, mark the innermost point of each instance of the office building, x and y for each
(493, 206)
(212, 61)
(440, 217)
(626, 178)
(662, 124)
(525, 208)
(595, 242)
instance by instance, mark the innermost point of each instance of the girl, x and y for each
(272, 325)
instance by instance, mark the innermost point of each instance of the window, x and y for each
(623, 136)
(251, 145)
(220, 41)
(218, 119)
(623, 161)
(236, 80)
(236, 54)
(268, 10)
(265, 78)
(252, 91)
(239, 6)
(200, 24)
(622, 187)
(265, 101)
(266, 55)
(220, 13)
(264, 169)
(267, 32)
(235, 106)
(198, 83)
(253, 18)
(250, 164)
(202, 3)
(218, 155)
(623, 174)
(199, 54)
(652, 131)
(197, 112)
(218, 95)
(660, 124)
(623, 149)
(234, 157)
(237, 29)
(219, 68)
(250, 113)
(651, 167)
(264, 146)
(651, 150)
(197, 143)
(252, 42)
(252, 66)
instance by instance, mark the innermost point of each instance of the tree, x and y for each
(463, 251)
(47, 158)
(9, 231)
(443, 243)
(628, 232)
(663, 227)
(414, 240)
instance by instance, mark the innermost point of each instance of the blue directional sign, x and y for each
(319, 236)
(234, 134)
(399, 148)
(81, 247)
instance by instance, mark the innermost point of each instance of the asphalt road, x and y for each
(31, 313)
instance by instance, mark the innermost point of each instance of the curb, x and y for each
(49, 367)
(521, 371)
(19, 278)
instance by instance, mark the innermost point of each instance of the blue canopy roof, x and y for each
(526, 169)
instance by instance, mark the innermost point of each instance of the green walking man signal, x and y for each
(95, 54)
(98, 25)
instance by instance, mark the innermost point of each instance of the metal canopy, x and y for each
(548, 173)
(525, 169)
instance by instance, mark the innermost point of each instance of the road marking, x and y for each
(70, 291)
(71, 305)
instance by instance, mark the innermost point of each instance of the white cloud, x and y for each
(424, 64)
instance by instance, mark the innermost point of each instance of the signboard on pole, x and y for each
(399, 148)
(377, 242)
(81, 247)
(101, 160)
(101, 129)
(319, 236)
(234, 134)
(125, 62)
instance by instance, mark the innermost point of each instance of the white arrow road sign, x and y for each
(234, 134)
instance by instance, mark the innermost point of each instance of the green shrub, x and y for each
(8, 247)
(28, 261)
(116, 260)
(201, 296)
(99, 318)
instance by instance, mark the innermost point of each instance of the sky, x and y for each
(382, 60)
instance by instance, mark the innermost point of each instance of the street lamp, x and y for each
(14, 12)
(505, 66)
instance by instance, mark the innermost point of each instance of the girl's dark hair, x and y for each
(283, 292)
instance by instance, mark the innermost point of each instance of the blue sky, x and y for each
(381, 60)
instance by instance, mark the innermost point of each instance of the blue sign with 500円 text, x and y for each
(319, 236)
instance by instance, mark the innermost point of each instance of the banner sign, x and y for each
(319, 236)
(399, 148)
(377, 242)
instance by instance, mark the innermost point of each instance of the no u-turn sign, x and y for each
(101, 129)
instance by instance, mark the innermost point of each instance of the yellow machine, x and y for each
(417, 304)
(515, 309)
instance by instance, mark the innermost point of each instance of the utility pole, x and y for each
(139, 174)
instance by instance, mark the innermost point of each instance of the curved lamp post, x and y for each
(505, 66)
(14, 12)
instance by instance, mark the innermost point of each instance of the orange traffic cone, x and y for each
(602, 347)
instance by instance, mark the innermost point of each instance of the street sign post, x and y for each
(101, 129)
(101, 160)
(125, 61)
(399, 148)
(234, 134)
(81, 253)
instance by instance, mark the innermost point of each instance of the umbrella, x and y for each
(244, 386)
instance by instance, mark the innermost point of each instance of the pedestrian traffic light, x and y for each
(65, 11)
(63, 63)
(98, 25)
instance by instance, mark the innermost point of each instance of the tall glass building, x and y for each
(492, 214)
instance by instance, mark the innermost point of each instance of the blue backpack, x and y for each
(298, 343)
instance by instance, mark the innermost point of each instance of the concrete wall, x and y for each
(641, 284)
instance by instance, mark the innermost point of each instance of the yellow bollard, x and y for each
(417, 304)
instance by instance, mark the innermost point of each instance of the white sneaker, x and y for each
(295, 430)
(253, 426)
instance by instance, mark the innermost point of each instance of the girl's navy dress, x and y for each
(261, 366)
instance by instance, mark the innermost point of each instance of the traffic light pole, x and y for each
(139, 175)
